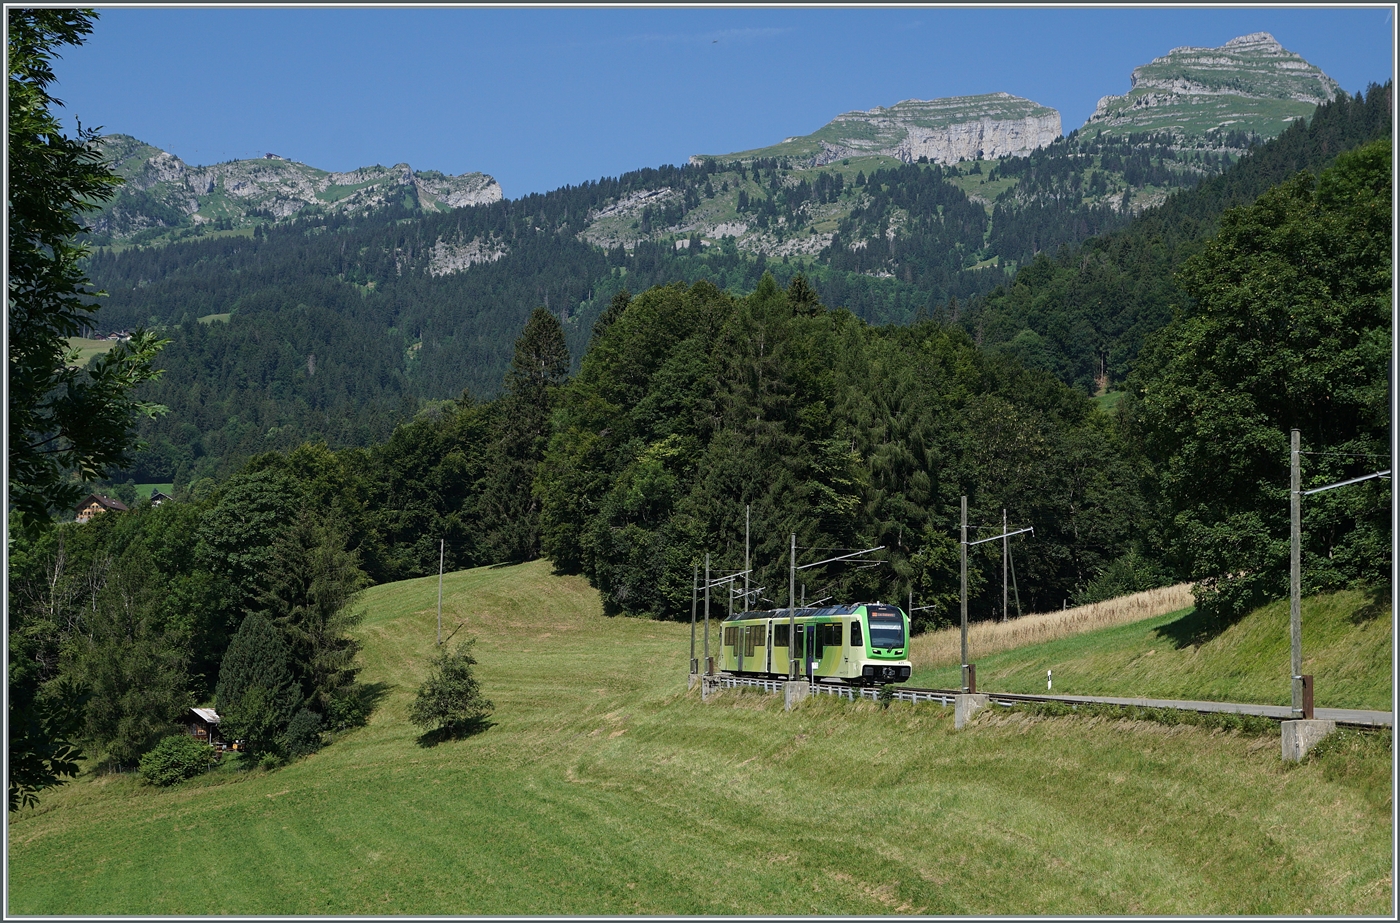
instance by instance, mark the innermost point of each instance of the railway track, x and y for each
(1342, 716)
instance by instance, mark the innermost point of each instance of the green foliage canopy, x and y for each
(66, 423)
(1289, 326)
(313, 583)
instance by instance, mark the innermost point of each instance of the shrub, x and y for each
(349, 707)
(175, 759)
(451, 698)
(1131, 573)
(303, 734)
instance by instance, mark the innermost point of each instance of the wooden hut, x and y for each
(204, 725)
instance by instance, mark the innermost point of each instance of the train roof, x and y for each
(808, 612)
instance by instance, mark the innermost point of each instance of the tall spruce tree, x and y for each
(510, 508)
(310, 598)
(257, 693)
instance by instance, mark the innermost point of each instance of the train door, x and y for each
(767, 647)
(743, 643)
(813, 648)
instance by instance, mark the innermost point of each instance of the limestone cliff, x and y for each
(948, 130)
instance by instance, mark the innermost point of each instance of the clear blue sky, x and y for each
(543, 97)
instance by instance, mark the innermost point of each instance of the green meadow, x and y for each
(1346, 647)
(603, 785)
(88, 349)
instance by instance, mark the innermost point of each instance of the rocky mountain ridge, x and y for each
(1188, 114)
(948, 130)
(162, 193)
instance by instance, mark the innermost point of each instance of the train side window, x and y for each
(856, 640)
(831, 635)
(780, 635)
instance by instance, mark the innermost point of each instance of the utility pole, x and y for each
(442, 553)
(1004, 548)
(963, 546)
(1014, 588)
(1303, 696)
(694, 589)
(747, 565)
(707, 613)
(792, 613)
(1295, 575)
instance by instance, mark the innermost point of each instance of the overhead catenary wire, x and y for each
(1347, 454)
(1364, 477)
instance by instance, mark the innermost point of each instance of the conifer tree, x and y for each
(450, 699)
(257, 694)
(509, 506)
(310, 598)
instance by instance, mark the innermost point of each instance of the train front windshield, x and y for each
(886, 628)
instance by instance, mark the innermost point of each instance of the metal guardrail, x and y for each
(946, 696)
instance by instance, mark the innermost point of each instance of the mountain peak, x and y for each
(1251, 84)
(1262, 39)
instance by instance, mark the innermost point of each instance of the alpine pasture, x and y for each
(602, 785)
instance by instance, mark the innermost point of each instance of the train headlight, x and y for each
(868, 671)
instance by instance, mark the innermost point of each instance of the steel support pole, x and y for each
(1004, 548)
(706, 668)
(694, 592)
(792, 612)
(747, 565)
(1015, 589)
(442, 553)
(1295, 572)
(964, 592)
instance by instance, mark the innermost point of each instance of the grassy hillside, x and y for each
(1346, 646)
(603, 786)
(89, 349)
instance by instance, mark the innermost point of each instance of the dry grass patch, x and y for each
(944, 647)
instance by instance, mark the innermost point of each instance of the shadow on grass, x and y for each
(1377, 598)
(364, 699)
(455, 732)
(1192, 629)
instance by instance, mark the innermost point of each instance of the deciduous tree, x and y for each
(68, 423)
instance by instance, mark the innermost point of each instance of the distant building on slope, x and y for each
(94, 504)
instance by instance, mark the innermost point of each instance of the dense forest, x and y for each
(1082, 312)
(341, 328)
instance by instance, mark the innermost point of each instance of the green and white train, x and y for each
(861, 644)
